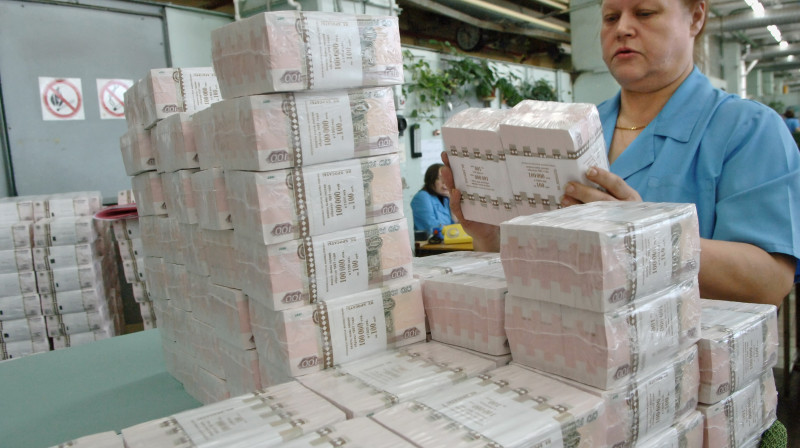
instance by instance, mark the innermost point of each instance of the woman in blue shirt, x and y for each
(673, 137)
(431, 204)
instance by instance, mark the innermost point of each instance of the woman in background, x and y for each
(431, 204)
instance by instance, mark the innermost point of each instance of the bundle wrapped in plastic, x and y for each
(227, 310)
(300, 272)
(468, 309)
(357, 432)
(510, 407)
(16, 260)
(315, 337)
(278, 206)
(80, 322)
(497, 360)
(179, 196)
(126, 229)
(68, 256)
(88, 276)
(279, 131)
(155, 277)
(265, 418)
(224, 262)
(738, 419)
(18, 284)
(288, 51)
(688, 431)
(129, 249)
(67, 231)
(204, 140)
(361, 388)
(600, 256)
(138, 154)
(74, 301)
(16, 208)
(16, 235)
(604, 350)
(167, 91)
(173, 141)
(149, 193)
(73, 340)
(447, 262)
(650, 403)
(478, 161)
(240, 367)
(548, 144)
(31, 328)
(63, 205)
(194, 256)
(24, 347)
(108, 439)
(211, 197)
(738, 342)
(20, 307)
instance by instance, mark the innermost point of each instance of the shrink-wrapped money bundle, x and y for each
(204, 140)
(468, 309)
(738, 419)
(167, 91)
(299, 272)
(265, 418)
(88, 276)
(271, 132)
(548, 144)
(179, 196)
(64, 205)
(109, 439)
(227, 310)
(80, 322)
(149, 193)
(603, 350)
(67, 231)
(738, 342)
(20, 307)
(25, 347)
(356, 432)
(288, 51)
(26, 329)
(447, 262)
(211, 199)
(126, 229)
(18, 284)
(478, 161)
(385, 379)
(16, 260)
(137, 150)
(600, 256)
(240, 367)
(76, 339)
(225, 264)
(509, 407)
(73, 301)
(283, 205)
(650, 403)
(314, 337)
(129, 249)
(16, 235)
(15, 209)
(67, 256)
(173, 138)
(688, 431)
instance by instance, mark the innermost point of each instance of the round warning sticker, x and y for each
(62, 98)
(110, 94)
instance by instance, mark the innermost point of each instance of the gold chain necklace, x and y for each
(632, 128)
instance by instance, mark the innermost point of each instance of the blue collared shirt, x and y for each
(733, 158)
(430, 212)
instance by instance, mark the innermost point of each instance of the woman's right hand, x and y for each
(485, 237)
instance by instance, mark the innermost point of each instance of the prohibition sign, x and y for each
(112, 98)
(62, 98)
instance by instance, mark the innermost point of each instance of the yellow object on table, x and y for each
(455, 234)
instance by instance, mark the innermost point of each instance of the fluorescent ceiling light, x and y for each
(783, 45)
(776, 33)
(516, 15)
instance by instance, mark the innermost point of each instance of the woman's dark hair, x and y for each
(431, 174)
(789, 113)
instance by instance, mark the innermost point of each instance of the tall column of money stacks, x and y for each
(738, 348)
(160, 153)
(604, 297)
(22, 326)
(305, 143)
(76, 269)
(131, 252)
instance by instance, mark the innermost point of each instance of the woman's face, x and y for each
(647, 44)
(439, 187)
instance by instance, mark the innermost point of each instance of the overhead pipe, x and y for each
(772, 52)
(743, 21)
(779, 66)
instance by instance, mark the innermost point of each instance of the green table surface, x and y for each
(53, 397)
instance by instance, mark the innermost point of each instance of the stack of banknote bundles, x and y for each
(738, 348)
(606, 295)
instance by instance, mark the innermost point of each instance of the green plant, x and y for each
(512, 93)
(432, 87)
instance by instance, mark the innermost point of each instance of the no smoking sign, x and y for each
(111, 94)
(61, 98)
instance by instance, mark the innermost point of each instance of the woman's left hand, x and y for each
(616, 189)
